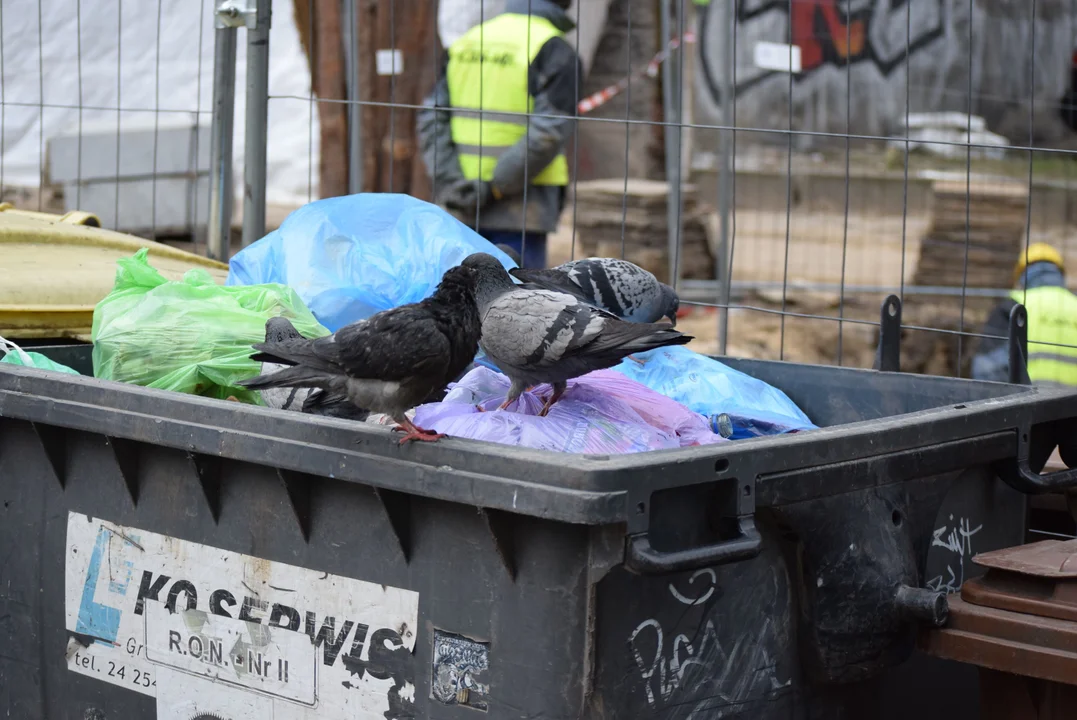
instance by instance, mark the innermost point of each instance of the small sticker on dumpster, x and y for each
(177, 619)
(459, 671)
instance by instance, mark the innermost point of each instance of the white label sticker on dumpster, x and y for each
(177, 619)
(250, 655)
(181, 697)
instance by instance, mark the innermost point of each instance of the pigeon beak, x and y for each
(672, 317)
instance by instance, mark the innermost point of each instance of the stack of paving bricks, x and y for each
(992, 219)
(996, 218)
(603, 207)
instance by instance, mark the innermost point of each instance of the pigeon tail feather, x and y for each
(296, 376)
(264, 357)
(296, 351)
(623, 338)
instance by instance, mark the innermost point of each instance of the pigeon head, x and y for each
(491, 278)
(458, 281)
(459, 275)
(279, 329)
(484, 263)
(670, 303)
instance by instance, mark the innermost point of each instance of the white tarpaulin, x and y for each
(144, 57)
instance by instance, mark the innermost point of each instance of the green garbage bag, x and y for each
(191, 336)
(15, 355)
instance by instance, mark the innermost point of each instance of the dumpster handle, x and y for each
(1017, 474)
(642, 559)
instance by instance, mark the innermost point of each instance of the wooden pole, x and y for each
(429, 69)
(390, 144)
(329, 85)
(318, 24)
(393, 162)
(301, 8)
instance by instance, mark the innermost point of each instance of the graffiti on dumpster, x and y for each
(732, 673)
(957, 540)
(706, 589)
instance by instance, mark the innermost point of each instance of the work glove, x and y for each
(460, 195)
(468, 196)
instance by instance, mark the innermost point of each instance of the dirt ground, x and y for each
(758, 331)
(872, 255)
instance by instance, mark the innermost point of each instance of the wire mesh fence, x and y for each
(786, 164)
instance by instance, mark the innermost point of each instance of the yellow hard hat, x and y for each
(1037, 252)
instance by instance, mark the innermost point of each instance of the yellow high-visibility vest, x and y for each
(487, 71)
(1052, 334)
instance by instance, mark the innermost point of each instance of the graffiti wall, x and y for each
(889, 55)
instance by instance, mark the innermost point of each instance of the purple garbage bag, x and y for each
(603, 412)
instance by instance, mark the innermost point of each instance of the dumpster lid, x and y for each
(1011, 642)
(1019, 618)
(1036, 579)
(60, 266)
(1047, 558)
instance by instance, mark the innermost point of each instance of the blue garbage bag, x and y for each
(352, 256)
(712, 389)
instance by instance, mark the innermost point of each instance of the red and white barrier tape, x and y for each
(603, 96)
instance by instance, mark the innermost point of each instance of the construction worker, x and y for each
(1040, 285)
(511, 189)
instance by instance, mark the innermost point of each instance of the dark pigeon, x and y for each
(390, 362)
(535, 335)
(510, 251)
(313, 401)
(333, 404)
(617, 286)
(279, 329)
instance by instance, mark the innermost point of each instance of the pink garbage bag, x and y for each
(603, 412)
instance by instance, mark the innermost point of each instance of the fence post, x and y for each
(224, 102)
(726, 146)
(254, 153)
(350, 38)
(671, 110)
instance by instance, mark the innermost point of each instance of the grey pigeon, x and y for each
(391, 361)
(535, 336)
(617, 286)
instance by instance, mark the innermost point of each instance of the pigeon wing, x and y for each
(535, 329)
(616, 285)
(550, 279)
(320, 354)
(395, 344)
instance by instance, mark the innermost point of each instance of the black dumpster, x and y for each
(169, 556)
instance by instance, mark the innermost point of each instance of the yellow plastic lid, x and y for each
(56, 268)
